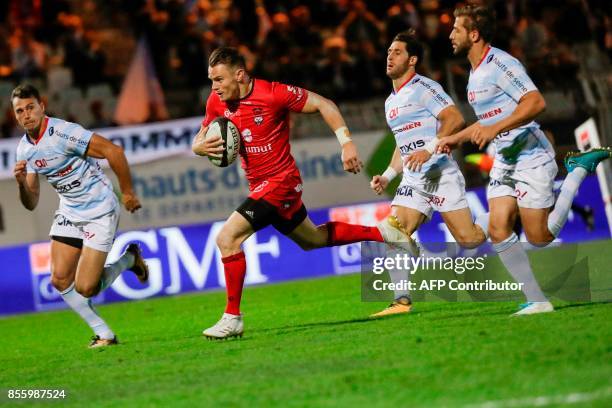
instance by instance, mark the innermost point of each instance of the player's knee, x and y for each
(60, 283)
(539, 238)
(227, 244)
(498, 233)
(87, 290)
(467, 240)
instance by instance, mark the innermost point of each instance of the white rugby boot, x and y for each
(229, 326)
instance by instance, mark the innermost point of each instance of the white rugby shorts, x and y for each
(532, 188)
(98, 233)
(444, 193)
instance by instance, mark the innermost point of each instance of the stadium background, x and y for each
(137, 72)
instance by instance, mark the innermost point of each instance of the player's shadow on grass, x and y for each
(306, 326)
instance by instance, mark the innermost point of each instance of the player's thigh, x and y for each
(64, 261)
(535, 225)
(234, 232)
(502, 216)
(461, 226)
(410, 218)
(308, 235)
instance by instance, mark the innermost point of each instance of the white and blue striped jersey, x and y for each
(59, 154)
(412, 115)
(494, 89)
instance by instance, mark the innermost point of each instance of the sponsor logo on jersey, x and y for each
(490, 58)
(258, 116)
(471, 96)
(259, 149)
(41, 163)
(408, 126)
(261, 186)
(51, 130)
(247, 135)
(296, 91)
(405, 149)
(64, 171)
(67, 187)
(393, 113)
(72, 139)
(490, 114)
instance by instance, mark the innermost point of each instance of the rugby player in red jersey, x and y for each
(260, 109)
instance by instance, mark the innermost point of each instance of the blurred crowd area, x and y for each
(78, 51)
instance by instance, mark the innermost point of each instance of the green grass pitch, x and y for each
(309, 343)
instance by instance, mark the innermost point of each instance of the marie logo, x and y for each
(247, 135)
(490, 58)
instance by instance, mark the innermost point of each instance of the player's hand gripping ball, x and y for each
(230, 135)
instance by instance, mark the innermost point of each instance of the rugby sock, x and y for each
(111, 271)
(235, 270)
(514, 257)
(340, 233)
(85, 309)
(569, 188)
(483, 222)
(399, 276)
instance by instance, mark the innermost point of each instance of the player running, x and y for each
(260, 109)
(506, 102)
(420, 113)
(84, 226)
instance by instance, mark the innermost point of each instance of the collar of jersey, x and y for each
(405, 82)
(41, 133)
(483, 57)
(250, 91)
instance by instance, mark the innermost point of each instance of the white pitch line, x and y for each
(543, 401)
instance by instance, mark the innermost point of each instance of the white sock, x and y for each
(569, 188)
(85, 309)
(483, 222)
(398, 276)
(514, 257)
(111, 271)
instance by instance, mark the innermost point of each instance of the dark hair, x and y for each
(25, 91)
(228, 56)
(479, 18)
(413, 46)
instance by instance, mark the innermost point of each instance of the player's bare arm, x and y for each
(212, 147)
(29, 186)
(451, 121)
(332, 116)
(528, 108)
(102, 148)
(380, 182)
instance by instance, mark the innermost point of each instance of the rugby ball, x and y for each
(231, 140)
